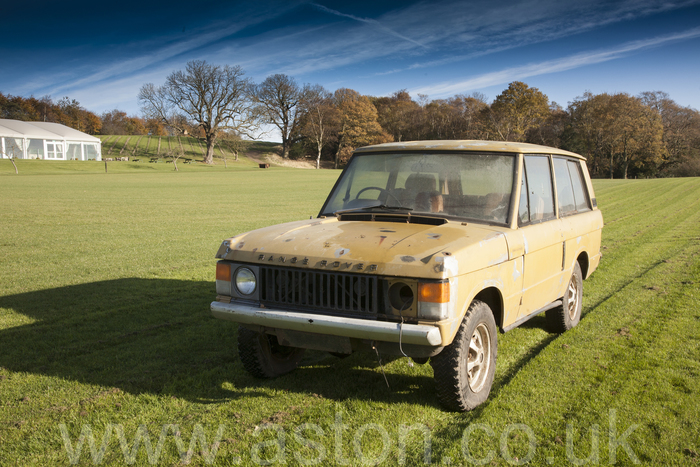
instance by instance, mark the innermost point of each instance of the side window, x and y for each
(580, 193)
(524, 208)
(540, 199)
(565, 191)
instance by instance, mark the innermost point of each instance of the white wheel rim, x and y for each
(572, 299)
(479, 358)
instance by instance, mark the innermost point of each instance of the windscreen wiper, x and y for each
(392, 208)
(383, 207)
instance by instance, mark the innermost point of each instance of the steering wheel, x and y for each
(381, 190)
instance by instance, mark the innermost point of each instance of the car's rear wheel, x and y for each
(566, 316)
(262, 355)
(464, 370)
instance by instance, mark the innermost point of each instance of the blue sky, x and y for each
(102, 53)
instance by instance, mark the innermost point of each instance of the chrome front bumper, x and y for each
(418, 334)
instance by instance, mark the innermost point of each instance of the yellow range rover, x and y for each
(423, 249)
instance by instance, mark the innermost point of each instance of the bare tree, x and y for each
(12, 159)
(279, 98)
(234, 144)
(11, 152)
(174, 155)
(211, 97)
(320, 116)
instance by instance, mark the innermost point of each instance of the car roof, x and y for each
(466, 145)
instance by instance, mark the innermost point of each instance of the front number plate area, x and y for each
(308, 340)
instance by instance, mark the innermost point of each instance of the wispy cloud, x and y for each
(161, 50)
(370, 21)
(437, 35)
(448, 32)
(484, 30)
(551, 66)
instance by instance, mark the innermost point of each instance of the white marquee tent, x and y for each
(43, 140)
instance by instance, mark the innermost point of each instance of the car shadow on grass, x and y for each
(157, 336)
(361, 377)
(140, 335)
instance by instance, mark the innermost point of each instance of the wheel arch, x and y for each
(583, 263)
(494, 299)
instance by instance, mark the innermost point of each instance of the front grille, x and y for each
(329, 291)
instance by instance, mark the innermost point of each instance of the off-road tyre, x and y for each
(566, 316)
(464, 370)
(263, 357)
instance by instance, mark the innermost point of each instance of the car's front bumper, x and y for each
(418, 334)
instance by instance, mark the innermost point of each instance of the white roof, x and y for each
(43, 130)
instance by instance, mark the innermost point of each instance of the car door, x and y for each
(580, 223)
(542, 236)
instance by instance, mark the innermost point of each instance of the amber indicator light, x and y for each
(223, 271)
(434, 292)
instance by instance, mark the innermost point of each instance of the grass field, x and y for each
(108, 354)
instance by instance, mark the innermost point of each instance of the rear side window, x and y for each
(571, 195)
(565, 191)
(580, 193)
(536, 196)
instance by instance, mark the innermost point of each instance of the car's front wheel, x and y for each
(263, 356)
(464, 370)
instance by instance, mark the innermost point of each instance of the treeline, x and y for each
(66, 111)
(622, 136)
(116, 122)
(69, 112)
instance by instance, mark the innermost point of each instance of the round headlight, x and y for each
(245, 281)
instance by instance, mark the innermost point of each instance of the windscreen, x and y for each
(474, 186)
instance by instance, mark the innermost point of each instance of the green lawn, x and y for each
(105, 335)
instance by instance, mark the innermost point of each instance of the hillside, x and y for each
(146, 147)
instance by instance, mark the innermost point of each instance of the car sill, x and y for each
(531, 315)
